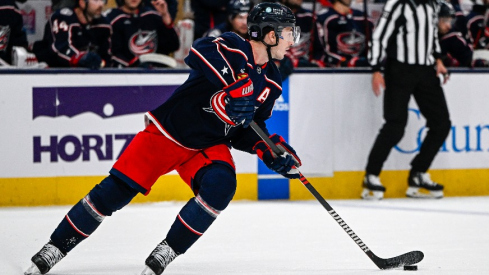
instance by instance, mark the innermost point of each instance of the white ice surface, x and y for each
(267, 237)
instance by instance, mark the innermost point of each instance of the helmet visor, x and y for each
(291, 34)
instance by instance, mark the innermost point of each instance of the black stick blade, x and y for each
(409, 258)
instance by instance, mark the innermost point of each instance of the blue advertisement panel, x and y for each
(270, 184)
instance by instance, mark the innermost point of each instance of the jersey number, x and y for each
(59, 27)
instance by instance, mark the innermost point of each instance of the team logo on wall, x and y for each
(143, 42)
(351, 43)
(4, 35)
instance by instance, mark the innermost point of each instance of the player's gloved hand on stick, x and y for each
(284, 164)
(88, 59)
(240, 103)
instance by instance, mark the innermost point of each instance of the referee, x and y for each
(405, 41)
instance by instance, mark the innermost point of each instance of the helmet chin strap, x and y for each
(269, 47)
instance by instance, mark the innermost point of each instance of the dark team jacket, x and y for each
(11, 29)
(194, 116)
(476, 27)
(341, 37)
(137, 34)
(455, 50)
(65, 37)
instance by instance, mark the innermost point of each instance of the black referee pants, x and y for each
(402, 81)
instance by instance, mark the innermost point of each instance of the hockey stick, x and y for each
(409, 258)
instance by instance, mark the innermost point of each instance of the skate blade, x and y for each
(33, 270)
(147, 271)
(372, 195)
(421, 193)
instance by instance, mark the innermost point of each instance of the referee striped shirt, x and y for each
(407, 31)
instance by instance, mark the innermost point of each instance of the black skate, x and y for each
(159, 259)
(372, 188)
(45, 259)
(421, 186)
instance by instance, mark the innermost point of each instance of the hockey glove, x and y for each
(240, 103)
(284, 164)
(89, 60)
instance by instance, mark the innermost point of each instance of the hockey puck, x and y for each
(410, 267)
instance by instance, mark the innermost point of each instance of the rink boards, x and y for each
(62, 131)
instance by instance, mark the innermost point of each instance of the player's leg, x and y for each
(133, 172)
(214, 183)
(432, 105)
(81, 221)
(399, 86)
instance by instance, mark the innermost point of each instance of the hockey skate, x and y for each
(44, 260)
(421, 186)
(372, 188)
(159, 259)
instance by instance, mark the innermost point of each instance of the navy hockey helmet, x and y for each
(236, 7)
(266, 17)
(446, 10)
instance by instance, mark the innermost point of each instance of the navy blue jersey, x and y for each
(65, 37)
(11, 29)
(455, 50)
(193, 117)
(140, 33)
(475, 27)
(341, 37)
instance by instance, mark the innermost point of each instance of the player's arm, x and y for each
(61, 32)
(219, 59)
(168, 40)
(18, 36)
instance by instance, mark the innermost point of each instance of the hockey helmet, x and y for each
(236, 7)
(446, 10)
(266, 17)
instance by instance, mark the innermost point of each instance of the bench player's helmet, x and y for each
(236, 7)
(266, 17)
(446, 10)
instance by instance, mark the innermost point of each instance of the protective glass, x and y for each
(291, 34)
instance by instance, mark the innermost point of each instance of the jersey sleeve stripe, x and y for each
(225, 60)
(273, 82)
(210, 66)
(218, 41)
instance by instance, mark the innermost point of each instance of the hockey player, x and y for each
(237, 11)
(11, 29)
(138, 30)
(78, 37)
(476, 24)
(342, 34)
(232, 82)
(456, 52)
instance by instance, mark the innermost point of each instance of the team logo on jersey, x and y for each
(351, 43)
(218, 107)
(4, 35)
(143, 42)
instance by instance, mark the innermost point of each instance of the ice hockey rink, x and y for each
(267, 237)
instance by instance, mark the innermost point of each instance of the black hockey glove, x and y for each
(284, 164)
(240, 102)
(89, 60)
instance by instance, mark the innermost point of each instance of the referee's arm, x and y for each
(384, 30)
(393, 10)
